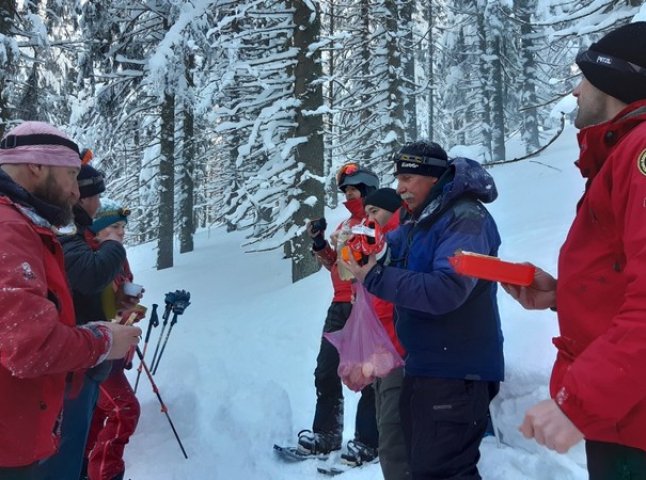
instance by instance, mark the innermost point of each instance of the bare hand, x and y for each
(123, 337)
(541, 294)
(334, 237)
(360, 271)
(548, 425)
(125, 302)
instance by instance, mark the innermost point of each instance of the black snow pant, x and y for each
(617, 462)
(444, 421)
(328, 417)
(30, 472)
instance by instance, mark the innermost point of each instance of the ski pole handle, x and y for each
(153, 322)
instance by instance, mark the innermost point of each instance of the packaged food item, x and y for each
(492, 268)
(342, 239)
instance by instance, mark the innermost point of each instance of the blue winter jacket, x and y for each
(448, 323)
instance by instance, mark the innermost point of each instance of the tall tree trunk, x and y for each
(330, 187)
(459, 121)
(394, 54)
(410, 100)
(430, 70)
(366, 55)
(186, 220)
(484, 78)
(7, 16)
(307, 70)
(529, 99)
(496, 98)
(166, 183)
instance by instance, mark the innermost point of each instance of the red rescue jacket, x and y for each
(598, 377)
(39, 341)
(383, 308)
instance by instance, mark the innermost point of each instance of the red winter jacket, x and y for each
(39, 341)
(598, 378)
(383, 308)
(327, 256)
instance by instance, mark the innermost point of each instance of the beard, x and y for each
(51, 193)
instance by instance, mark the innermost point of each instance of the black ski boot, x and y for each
(312, 443)
(359, 453)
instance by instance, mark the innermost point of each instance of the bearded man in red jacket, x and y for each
(597, 386)
(40, 344)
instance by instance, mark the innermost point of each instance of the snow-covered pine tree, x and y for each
(308, 134)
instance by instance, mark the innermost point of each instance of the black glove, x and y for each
(316, 231)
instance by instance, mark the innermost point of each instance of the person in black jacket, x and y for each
(90, 267)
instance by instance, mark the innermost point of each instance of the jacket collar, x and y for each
(355, 207)
(597, 141)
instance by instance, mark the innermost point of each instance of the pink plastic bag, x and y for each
(365, 350)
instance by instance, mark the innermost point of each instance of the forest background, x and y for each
(227, 112)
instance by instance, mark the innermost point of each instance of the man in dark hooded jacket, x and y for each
(448, 324)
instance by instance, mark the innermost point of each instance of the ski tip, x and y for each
(331, 472)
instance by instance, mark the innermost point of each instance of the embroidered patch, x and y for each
(641, 162)
(27, 272)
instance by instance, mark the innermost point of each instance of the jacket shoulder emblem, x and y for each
(641, 162)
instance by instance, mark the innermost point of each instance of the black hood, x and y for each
(81, 217)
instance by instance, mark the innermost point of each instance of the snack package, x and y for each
(492, 268)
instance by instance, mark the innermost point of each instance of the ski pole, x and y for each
(169, 306)
(152, 322)
(161, 352)
(164, 408)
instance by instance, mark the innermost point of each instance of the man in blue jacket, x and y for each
(449, 324)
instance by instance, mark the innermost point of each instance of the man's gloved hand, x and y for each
(367, 238)
(316, 231)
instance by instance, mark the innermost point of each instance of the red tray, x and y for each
(492, 268)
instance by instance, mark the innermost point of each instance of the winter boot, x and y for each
(312, 443)
(359, 453)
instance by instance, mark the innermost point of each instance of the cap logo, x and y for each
(409, 165)
(604, 60)
(641, 162)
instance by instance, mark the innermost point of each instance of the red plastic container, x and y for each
(492, 268)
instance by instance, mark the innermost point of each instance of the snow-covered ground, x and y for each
(237, 374)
